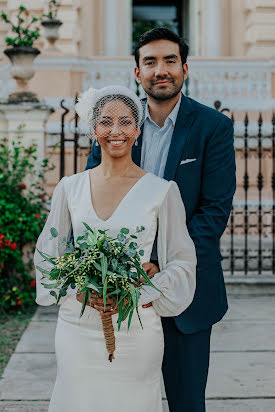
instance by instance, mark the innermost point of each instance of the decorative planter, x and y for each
(51, 32)
(22, 71)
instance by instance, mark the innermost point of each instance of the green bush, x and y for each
(23, 213)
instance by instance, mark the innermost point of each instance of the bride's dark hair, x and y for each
(114, 97)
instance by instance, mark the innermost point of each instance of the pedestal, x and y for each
(33, 116)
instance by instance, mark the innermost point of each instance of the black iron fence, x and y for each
(248, 244)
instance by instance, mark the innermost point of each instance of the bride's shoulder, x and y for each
(74, 180)
(159, 181)
(158, 185)
(75, 177)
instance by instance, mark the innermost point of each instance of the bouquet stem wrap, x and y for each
(109, 334)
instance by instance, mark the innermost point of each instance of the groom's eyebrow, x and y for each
(149, 58)
(170, 56)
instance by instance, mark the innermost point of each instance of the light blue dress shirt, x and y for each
(156, 141)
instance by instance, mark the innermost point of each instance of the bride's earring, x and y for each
(136, 142)
(96, 143)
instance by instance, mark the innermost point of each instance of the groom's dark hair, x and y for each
(161, 33)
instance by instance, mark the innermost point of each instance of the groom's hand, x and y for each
(151, 269)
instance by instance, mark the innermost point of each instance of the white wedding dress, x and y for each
(86, 381)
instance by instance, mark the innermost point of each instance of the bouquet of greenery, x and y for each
(98, 263)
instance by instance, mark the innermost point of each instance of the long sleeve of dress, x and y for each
(59, 218)
(177, 260)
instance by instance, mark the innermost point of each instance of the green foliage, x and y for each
(24, 35)
(23, 213)
(53, 7)
(109, 266)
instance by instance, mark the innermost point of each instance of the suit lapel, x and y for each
(181, 131)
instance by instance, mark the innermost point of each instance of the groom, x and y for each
(184, 141)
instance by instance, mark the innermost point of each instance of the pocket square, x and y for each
(183, 162)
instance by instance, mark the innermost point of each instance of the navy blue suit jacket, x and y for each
(207, 186)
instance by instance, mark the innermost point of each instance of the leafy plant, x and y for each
(23, 213)
(53, 7)
(24, 35)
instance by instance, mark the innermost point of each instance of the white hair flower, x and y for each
(88, 100)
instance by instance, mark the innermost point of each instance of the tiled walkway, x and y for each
(242, 371)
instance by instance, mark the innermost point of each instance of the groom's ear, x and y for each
(137, 75)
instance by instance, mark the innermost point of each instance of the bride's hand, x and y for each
(98, 304)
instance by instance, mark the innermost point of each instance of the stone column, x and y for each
(117, 27)
(33, 116)
(212, 28)
(195, 27)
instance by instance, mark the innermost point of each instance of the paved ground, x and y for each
(241, 377)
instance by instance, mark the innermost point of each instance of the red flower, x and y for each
(1, 267)
(22, 186)
(32, 284)
(13, 246)
(17, 297)
(37, 216)
(42, 196)
(1, 236)
(19, 303)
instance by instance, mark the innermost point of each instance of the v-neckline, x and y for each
(121, 201)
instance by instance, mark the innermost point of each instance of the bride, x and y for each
(116, 194)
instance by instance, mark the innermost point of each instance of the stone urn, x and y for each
(51, 27)
(22, 71)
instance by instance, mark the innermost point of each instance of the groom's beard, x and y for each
(163, 93)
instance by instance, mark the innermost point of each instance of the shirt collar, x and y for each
(172, 116)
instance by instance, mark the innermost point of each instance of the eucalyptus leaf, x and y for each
(104, 265)
(44, 271)
(120, 313)
(85, 299)
(133, 245)
(88, 227)
(51, 285)
(130, 317)
(124, 230)
(63, 292)
(105, 292)
(54, 232)
(53, 293)
(114, 263)
(121, 237)
(48, 259)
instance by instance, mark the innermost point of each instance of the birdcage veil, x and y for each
(91, 104)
